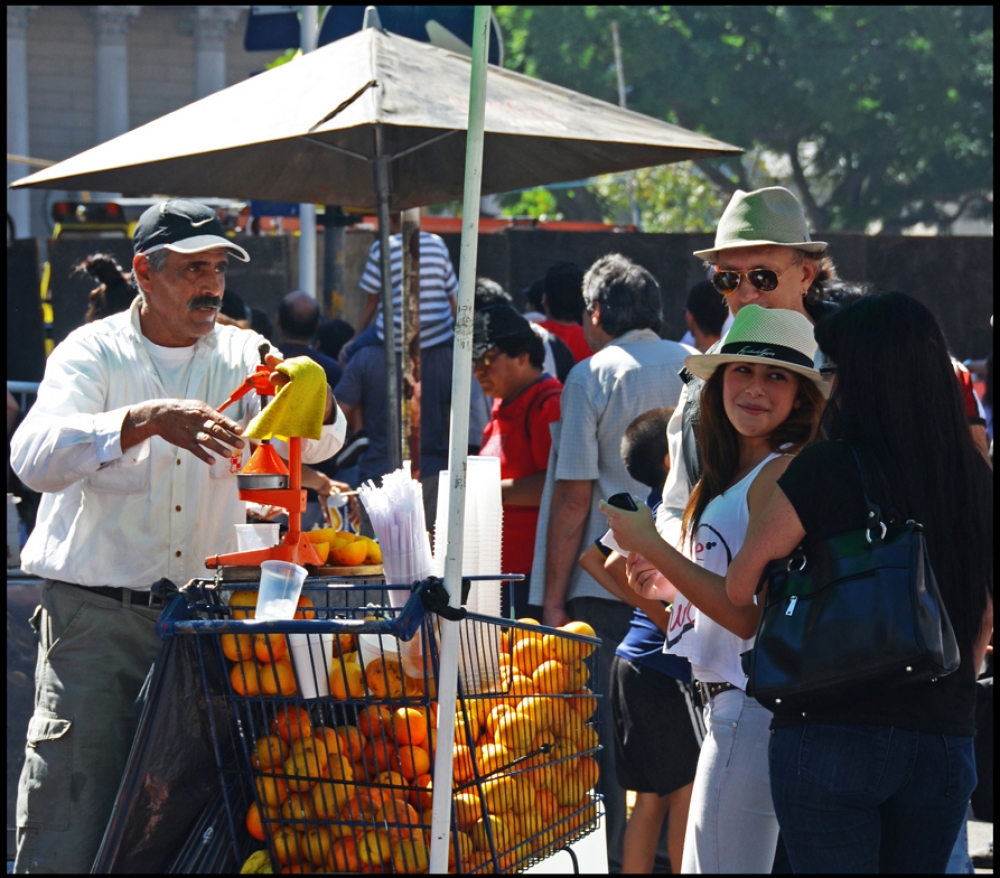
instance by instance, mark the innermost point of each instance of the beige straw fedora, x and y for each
(764, 216)
(764, 335)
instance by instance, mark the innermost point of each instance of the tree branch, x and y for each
(720, 179)
(816, 213)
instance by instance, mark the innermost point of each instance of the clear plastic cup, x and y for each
(256, 536)
(280, 587)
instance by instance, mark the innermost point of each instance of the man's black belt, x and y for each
(139, 598)
(708, 691)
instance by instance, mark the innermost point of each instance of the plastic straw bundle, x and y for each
(396, 511)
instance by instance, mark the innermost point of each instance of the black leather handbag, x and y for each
(856, 613)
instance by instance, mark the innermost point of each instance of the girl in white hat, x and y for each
(761, 404)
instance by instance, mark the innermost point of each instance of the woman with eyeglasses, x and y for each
(761, 404)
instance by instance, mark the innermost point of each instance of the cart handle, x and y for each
(426, 598)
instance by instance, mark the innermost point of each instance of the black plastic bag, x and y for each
(169, 805)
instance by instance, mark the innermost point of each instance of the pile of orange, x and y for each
(262, 664)
(359, 797)
(343, 549)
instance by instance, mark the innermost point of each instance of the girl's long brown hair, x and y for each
(719, 443)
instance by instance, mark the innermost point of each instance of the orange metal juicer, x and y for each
(267, 481)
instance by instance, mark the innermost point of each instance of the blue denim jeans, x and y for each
(858, 798)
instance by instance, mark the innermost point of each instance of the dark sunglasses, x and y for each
(827, 372)
(764, 279)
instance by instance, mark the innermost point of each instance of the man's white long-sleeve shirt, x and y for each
(128, 519)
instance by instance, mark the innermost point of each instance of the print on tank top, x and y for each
(708, 542)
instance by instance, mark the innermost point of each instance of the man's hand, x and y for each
(187, 423)
(555, 616)
(280, 379)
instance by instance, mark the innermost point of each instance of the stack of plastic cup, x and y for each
(484, 489)
(256, 536)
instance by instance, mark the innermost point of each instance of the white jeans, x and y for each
(731, 825)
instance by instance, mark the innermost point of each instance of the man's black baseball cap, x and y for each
(498, 326)
(183, 227)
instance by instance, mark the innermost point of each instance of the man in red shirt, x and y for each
(563, 303)
(507, 357)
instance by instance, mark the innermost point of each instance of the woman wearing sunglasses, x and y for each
(761, 404)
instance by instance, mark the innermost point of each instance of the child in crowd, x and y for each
(658, 729)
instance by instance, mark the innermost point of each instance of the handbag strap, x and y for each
(875, 528)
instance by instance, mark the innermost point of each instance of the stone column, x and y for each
(212, 26)
(111, 25)
(18, 203)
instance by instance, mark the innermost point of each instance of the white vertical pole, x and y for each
(461, 379)
(309, 23)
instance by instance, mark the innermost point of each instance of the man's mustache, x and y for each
(204, 302)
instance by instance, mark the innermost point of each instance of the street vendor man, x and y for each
(137, 472)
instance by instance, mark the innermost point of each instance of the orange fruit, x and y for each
(292, 723)
(323, 550)
(411, 854)
(300, 613)
(237, 647)
(515, 731)
(268, 752)
(527, 654)
(348, 554)
(461, 734)
(338, 767)
(353, 742)
(255, 822)
(498, 713)
(346, 680)
(501, 836)
(374, 554)
(462, 769)
(401, 819)
(551, 678)
(422, 795)
(245, 679)
(462, 842)
(298, 807)
(413, 761)
(269, 647)
(517, 633)
(374, 848)
(288, 846)
(328, 799)
(499, 793)
(492, 757)
(379, 755)
(373, 721)
(385, 678)
(546, 805)
(343, 644)
(524, 798)
(305, 764)
(316, 845)
(467, 809)
(240, 599)
(345, 856)
(537, 709)
(272, 791)
(409, 725)
(278, 678)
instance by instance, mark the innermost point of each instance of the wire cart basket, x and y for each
(325, 726)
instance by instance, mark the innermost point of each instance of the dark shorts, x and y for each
(655, 716)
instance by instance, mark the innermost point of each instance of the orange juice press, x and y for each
(267, 480)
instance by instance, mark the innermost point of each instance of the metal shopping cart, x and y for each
(332, 718)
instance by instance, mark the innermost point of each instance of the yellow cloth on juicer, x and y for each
(298, 407)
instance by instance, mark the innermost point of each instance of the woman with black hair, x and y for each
(113, 292)
(880, 782)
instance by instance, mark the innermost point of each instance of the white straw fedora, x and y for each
(764, 216)
(764, 335)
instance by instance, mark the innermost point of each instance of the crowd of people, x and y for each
(737, 442)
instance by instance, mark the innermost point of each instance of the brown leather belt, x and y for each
(708, 691)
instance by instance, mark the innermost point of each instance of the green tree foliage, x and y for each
(872, 113)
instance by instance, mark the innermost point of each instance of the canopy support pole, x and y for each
(461, 382)
(394, 436)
